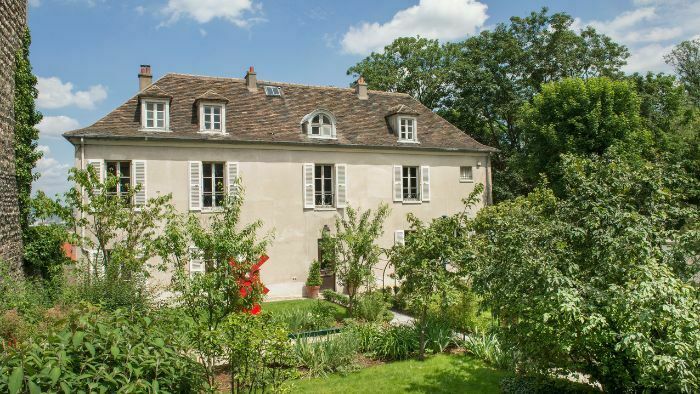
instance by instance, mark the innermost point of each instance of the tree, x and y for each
(354, 248)
(228, 251)
(685, 59)
(423, 264)
(26, 133)
(417, 66)
(597, 283)
(584, 117)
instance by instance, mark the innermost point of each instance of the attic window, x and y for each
(273, 91)
(319, 124)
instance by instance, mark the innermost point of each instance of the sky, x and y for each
(86, 53)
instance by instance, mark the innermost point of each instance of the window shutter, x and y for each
(341, 185)
(96, 263)
(398, 192)
(195, 185)
(196, 262)
(232, 171)
(425, 183)
(98, 165)
(399, 237)
(309, 185)
(140, 179)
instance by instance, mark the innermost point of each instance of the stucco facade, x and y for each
(274, 192)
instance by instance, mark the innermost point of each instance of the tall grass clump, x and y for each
(322, 355)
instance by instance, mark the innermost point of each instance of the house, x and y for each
(303, 153)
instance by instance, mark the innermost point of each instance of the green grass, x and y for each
(303, 304)
(438, 374)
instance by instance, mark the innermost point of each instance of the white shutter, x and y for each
(425, 183)
(98, 165)
(140, 179)
(398, 192)
(232, 173)
(195, 185)
(196, 262)
(341, 185)
(308, 185)
(399, 237)
(96, 263)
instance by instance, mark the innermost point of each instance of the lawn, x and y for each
(438, 374)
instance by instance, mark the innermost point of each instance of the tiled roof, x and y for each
(255, 117)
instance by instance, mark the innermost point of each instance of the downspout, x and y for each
(489, 191)
(82, 167)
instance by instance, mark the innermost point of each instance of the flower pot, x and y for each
(312, 291)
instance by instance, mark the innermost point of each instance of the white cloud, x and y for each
(650, 30)
(53, 93)
(54, 126)
(34, 3)
(436, 19)
(202, 32)
(54, 174)
(241, 13)
(140, 9)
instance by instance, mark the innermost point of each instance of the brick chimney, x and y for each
(145, 77)
(361, 88)
(251, 80)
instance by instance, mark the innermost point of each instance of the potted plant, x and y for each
(313, 281)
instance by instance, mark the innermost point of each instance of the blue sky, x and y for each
(86, 53)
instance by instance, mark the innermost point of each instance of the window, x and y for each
(155, 115)
(323, 179)
(465, 174)
(410, 184)
(321, 126)
(273, 91)
(121, 170)
(407, 129)
(212, 118)
(212, 184)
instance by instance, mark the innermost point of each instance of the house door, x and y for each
(327, 270)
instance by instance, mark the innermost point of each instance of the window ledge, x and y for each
(212, 210)
(325, 209)
(411, 202)
(466, 181)
(408, 142)
(318, 137)
(213, 132)
(156, 130)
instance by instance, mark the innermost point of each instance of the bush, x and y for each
(333, 353)
(372, 307)
(102, 352)
(43, 252)
(314, 278)
(438, 334)
(335, 297)
(519, 384)
(486, 347)
(112, 294)
(389, 342)
(320, 316)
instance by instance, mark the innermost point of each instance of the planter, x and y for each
(312, 291)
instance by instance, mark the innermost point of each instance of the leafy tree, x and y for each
(43, 247)
(26, 133)
(354, 248)
(418, 66)
(423, 263)
(228, 251)
(581, 117)
(597, 283)
(685, 58)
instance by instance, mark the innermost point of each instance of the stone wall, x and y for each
(12, 22)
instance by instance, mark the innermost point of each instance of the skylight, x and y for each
(273, 91)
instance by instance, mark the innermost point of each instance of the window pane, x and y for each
(207, 125)
(316, 119)
(207, 110)
(207, 200)
(124, 168)
(111, 168)
(327, 171)
(217, 111)
(219, 169)
(206, 167)
(160, 107)
(219, 200)
(315, 130)
(149, 123)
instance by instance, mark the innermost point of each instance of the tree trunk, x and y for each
(421, 352)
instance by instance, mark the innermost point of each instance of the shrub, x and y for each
(396, 342)
(321, 315)
(335, 297)
(486, 347)
(314, 278)
(520, 384)
(43, 252)
(111, 294)
(372, 307)
(102, 352)
(333, 353)
(438, 334)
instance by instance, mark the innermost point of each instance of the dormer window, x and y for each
(407, 129)
(212, 117)
(319, 124)
(154, 114)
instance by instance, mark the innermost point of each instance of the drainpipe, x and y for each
(489, 191)
(82, 167)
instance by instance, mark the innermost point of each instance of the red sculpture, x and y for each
(252, 278)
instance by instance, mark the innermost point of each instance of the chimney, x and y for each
(145, 77)
(361, 88)
(251, 80)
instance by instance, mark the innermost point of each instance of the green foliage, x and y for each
(578, 117)
(486, 347)
(423, 263)
(314, 278)
(371, 307)
(519, 384)
(335, 297)
(43, 252)
(334, 353)
(597, 283)
(259, 353)
(395, 342)
(26, 134)
(320, 316)
(685, 59)
(354, 248)
(102, 352)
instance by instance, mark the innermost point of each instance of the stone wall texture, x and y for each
(13, 14)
